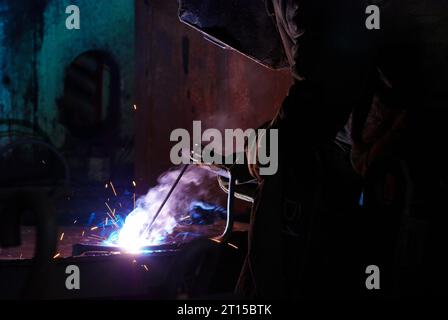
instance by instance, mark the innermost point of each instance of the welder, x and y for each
(336, 63)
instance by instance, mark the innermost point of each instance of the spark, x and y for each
(139, 229)
(57, 256)
(110, 209)
(95, 237)
(112, 219)
(134, 261)
(82, 235)
(233, 246)
(107, 220)
(134, 199)
(113, 188)
(106, 186)
(21, 256)
(215, 240)
(62, 236)
(75, 221)
(146, 267)
(135, 107)
(94, 228)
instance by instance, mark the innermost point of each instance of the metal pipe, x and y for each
(230, 204)
(38, 202)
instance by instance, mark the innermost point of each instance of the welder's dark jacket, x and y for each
(334, 59)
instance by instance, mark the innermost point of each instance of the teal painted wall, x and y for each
(36, 48)
(20, 33)
(4, 93)
(106, 25)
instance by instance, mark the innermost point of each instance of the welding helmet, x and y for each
(249, 29)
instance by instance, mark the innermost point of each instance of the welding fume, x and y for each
(247, 152)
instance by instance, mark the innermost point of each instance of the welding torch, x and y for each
(218, 170)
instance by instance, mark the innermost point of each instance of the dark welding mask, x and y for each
(248, 29)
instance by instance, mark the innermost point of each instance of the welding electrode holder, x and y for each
(225, 173)
(230, 205)
(223, 238)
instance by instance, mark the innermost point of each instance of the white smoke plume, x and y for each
(196, 185)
